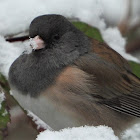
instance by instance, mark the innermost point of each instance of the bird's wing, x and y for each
(110, 55)
(113, 86)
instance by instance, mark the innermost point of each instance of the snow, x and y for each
(2, 98)
(8, 53)
(115, 40)
(90, 133)
(133, 133)
(119, 10)
(88, 11)
(38, 121)
(79, 133)
(4, 113)
(15, 17)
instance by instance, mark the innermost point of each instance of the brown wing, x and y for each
(110, 55)
(116, 86)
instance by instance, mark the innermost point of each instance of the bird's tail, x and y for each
(133, 99)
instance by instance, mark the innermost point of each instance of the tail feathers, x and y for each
(129, 103)
(135, 81)
(132, 102)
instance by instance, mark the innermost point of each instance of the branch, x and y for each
(14, 39)
(133, 46)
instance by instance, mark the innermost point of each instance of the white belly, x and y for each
(46, 111)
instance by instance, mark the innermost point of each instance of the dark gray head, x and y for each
(57, 31)
(33, 73)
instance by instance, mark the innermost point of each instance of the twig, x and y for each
(14, 39)
(133, 46)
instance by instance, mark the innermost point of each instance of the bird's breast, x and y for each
(46, 110)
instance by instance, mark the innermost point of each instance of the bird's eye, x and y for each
(56, 37)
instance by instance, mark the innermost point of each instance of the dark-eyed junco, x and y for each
(71, 80)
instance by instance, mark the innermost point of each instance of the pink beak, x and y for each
(37, 43)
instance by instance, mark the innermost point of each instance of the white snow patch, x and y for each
(132, 133)
(2, 98)
(15, 21)
(8, 53)
(79, 133)
(4, 113)
(38, 121)
(11, 93)
(115, 40)
(15, 15)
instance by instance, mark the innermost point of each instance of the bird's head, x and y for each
(51, 32)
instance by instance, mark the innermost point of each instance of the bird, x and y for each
(71, 80)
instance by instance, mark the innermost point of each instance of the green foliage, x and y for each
(135, 68)
(0, 137)
(4, 83)
(89, 31)
(2, 78)
(4, 116)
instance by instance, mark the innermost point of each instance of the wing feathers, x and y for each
(117, 87)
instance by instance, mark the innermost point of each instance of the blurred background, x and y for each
(123, 14)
